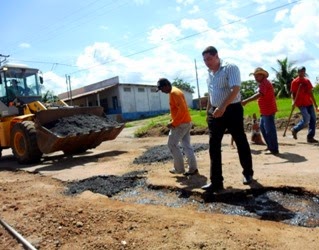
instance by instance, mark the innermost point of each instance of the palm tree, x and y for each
(284, 76)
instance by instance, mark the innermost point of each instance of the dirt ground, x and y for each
(34, 203)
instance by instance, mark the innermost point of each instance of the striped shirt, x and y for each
(221, 83)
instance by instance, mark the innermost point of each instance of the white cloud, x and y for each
(173, 56)
(103, 27)
(195, 9)
(54, 83)
(185, 2)
(198, 25)
(281, 15)
(167, 33)
(24, 45)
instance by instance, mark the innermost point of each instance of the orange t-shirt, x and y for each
(178, 107)
(304, 95)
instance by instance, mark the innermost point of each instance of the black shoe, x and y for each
(213, 187)
(174, 171)
(248, 179)
(273, 152)
(294, 133)
(191, 173)
(312, 140)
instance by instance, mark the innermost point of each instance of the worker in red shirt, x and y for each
(267, 107)
(302, 96)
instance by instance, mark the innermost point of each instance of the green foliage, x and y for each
(248, 88)
(179, 83)
(199, 116)
(284, 76)
(316, 89)
(283, 105)
(49, 97)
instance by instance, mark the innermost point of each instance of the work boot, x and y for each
(174, 171)
(213, 187)
(294, 134)
(312, 140)
(188, 173)
(248, 179)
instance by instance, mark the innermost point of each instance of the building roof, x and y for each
(95, 91)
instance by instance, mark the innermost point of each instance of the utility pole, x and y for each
(5, 58)
(199, 100)
(69, 89)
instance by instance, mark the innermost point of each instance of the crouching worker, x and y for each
(255, 134)
(180, 127)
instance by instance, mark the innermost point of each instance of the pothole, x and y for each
(291, 205)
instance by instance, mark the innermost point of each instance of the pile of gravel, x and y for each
(80, 124)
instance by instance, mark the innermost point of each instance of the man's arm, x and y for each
(313, 100)
(250, 99)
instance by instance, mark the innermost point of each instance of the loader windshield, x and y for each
(19, 82)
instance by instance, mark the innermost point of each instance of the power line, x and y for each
(55, 64)
(59, 24)
(193, 35)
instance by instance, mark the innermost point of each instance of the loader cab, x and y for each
(19, 82)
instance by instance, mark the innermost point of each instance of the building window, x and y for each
(127, 89)
(140, 89)
(153, 90)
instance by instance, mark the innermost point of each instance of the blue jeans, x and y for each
(308, 119)
(269, 131)
(181, 134)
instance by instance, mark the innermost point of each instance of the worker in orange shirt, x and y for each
(180, 127)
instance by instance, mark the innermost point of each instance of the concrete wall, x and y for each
(132, 101)
(140, 101)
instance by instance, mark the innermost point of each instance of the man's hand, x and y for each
(170, 125)
(218, 112)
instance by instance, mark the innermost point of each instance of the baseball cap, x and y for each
(301, 68)
(161, 83)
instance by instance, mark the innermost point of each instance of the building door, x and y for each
(115, 102)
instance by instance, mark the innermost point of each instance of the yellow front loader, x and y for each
(26, 122)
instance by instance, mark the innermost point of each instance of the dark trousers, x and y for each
(233, 121)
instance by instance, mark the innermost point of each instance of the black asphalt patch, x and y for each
(161, 153)
(106, 185)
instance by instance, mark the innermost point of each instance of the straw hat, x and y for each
(260, 71)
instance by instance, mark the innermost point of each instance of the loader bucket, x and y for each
(74, 130)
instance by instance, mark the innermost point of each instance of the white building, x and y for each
(127, 100)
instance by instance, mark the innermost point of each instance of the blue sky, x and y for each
(142, 40)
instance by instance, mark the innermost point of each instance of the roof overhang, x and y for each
(92, 92)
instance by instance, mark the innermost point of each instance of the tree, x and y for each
(49, 96)
(179, 83)
(248, 88)
(284, 76)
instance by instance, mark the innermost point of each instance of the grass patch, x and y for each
(199, 116)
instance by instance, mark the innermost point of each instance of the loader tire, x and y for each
(24, 143)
